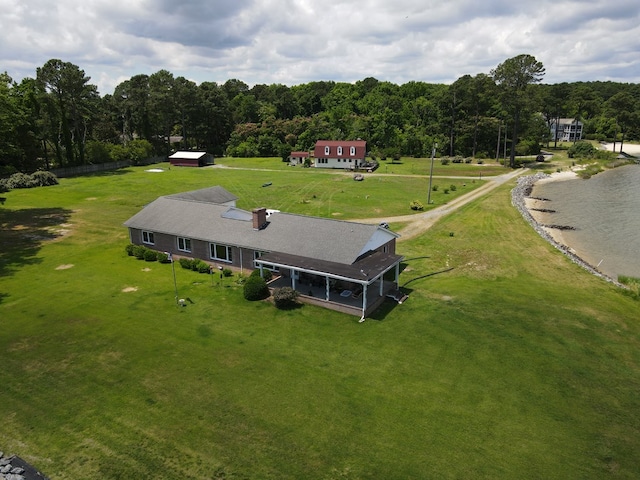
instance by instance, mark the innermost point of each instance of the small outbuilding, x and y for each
(298, 158)
(191, 159)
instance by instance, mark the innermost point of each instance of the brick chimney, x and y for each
(259, 218)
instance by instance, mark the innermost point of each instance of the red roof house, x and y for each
(349, 154)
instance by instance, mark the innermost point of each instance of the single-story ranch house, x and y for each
(191, 159)
(348, 154)
(345, 266)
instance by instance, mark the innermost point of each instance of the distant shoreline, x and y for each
(522, 200)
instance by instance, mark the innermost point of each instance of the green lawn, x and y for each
(403, 166)
(514, 364)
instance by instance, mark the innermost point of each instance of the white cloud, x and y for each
(297, 41)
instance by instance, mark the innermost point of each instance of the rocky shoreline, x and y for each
(519, 194)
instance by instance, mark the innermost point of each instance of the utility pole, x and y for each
(173, 268)
(498, 144)
(433, 154)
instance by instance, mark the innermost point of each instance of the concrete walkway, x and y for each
(419, 222)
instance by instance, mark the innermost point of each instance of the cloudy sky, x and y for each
(298, 41)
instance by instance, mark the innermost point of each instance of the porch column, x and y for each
(327, 286)
(381, 286)
(364, 299)
(397, 274)
(293, 279)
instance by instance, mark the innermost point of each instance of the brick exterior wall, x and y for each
(199, 249)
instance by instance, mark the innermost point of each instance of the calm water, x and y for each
(605, 210)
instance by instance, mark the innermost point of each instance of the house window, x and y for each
(352, 150)
(147, 237)
(327, 150)
(256, 256)
(184, 244)
(221, 252)
(339, 150)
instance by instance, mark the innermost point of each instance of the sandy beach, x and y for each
(630, 148)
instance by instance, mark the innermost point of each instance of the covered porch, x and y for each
(357, 289)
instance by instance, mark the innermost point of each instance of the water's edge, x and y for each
(518, 199)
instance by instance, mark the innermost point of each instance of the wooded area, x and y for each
(59, 119)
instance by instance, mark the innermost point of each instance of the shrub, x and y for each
(139, 251)
(163, 257)
(527, 147)
(453, 188)
(266, 274)
(435, 188)
(416, 205)
(43, 178)
(285, 297)
(201, 267)
(468, 160)
(187, 263)
(457, 159)
(20, 180)
(581, 150)
(150, 255)
(446, 191)
(130, 249)
(255, 288)
(444, 161)
(480, 162)
(227, 272)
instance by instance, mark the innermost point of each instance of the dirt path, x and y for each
(419, 222)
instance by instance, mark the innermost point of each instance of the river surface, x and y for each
(605, 212)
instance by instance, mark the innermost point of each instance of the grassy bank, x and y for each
(514, 364)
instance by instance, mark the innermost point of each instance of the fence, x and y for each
(102, 167)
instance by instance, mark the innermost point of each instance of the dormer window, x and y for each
(352, 151)
(327, 150)
(339, 150)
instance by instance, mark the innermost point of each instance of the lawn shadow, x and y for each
(107, 173)
(389, 305)
(23, 232)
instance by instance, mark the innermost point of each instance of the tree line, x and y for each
(58, 118)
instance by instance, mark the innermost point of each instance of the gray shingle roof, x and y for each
(364, 270)
(318, 238)
(15, 468)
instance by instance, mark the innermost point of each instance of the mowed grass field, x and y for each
(514, 363)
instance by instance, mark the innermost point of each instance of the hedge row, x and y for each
(40, 178)
(254, 288)
(143, 253)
